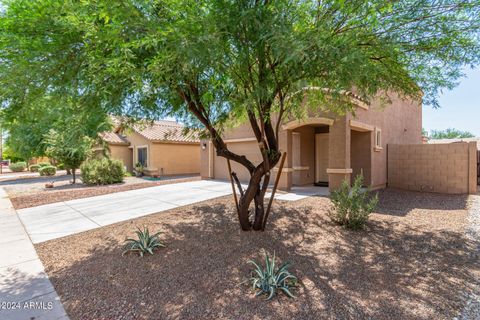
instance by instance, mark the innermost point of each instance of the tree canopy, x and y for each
(29, 125)
(216, 63)
(450, 133)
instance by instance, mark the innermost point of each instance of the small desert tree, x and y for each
(450, 133)
(70, 147)
(217, 63)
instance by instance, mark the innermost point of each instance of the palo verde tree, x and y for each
(217, 63)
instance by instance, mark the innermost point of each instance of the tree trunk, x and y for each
(73, 175)
(69, 172)
(259, 210)
(255, 194)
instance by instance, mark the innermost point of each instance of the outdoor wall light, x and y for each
(204, 145)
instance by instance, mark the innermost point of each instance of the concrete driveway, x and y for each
(64, 218)
(61, 219)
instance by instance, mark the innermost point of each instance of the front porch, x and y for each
(324, 152)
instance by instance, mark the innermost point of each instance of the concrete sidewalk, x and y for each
(25, 290)
(61, 219)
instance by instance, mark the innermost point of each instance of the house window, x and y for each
(142, 156)
(378, 139)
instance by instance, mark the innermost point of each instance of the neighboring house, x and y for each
(161, 147)
(38, 160)
(455, 140)
(324, 148)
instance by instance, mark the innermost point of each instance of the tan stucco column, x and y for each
(285, 183)
(339, 167)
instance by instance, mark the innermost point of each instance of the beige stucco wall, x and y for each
(400, 122)
(122, 153)
(361, 155)
(246, 148)
(174, 158)
(444, 168)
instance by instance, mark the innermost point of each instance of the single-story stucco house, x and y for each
(324, 148)
(161, 147)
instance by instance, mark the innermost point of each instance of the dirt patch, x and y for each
(410, 262)
(45, 196)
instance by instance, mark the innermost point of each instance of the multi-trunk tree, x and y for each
(217, 63)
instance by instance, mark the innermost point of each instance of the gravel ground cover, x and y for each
(412, 261)
(471, 310)
(26, 194)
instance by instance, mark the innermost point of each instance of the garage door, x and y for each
(248, 149)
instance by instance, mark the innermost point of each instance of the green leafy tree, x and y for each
(450, 133)
(8, 153)
(424, 132)
(217, 63)
(26, 128)
(29, 123)
(70, 147)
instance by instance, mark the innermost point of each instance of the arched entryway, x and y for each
(308, 151)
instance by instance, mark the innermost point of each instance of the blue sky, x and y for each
(460, 107)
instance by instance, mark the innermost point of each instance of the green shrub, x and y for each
(44, 164)
(146, 243)
(34, 168)
(18, 167)
(271, 278)
(102, 171)
(352, 205)
(47, 171)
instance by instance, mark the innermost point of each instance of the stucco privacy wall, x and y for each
(443, 168)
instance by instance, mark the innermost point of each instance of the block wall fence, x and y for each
(444, 168)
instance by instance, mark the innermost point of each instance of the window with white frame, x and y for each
(378, 138)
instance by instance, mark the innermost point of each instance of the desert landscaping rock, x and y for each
(471, 310)
(412, 261)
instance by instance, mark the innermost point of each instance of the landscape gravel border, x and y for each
(471, 310)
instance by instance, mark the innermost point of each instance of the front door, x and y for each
(321, 157)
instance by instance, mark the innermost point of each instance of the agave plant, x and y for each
(145, 243)
(269, 279)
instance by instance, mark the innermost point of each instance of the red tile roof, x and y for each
(113, 138)
(165, 130)
(157, 131)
